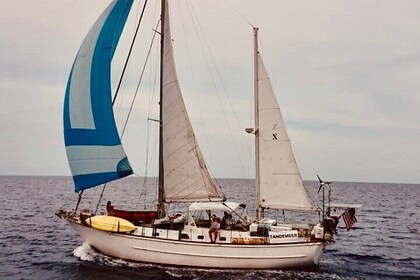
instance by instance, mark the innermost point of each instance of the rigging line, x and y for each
(193, 85)
(153, 152)
(222, 84)
(138, 85)
(148, 137)
(100, 198)
(155, 62)
(151, 102)
(152, 80)
(151, 70)
(201, 116)
(194, 14)
(120, 81)
(129, 53)
(150, 113)
(238, 13)
(143, 193)
(78, 201)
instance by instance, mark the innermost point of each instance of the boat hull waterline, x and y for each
(201, 255)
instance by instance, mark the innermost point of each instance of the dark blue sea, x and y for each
(35, 244)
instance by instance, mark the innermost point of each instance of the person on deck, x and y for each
(214, 228)
(330, 222)
(224, 222)
(109, 208)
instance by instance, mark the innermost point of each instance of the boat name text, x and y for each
(284, 235)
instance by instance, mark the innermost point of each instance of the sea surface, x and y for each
(36, 244)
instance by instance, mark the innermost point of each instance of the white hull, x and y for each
(197, 254)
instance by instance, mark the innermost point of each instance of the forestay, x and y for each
(186, 177)
(280, 180)
(92, 142)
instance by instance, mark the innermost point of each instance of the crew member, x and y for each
(109, 208)
(214, 228)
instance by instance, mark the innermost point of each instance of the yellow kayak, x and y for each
(110, 223)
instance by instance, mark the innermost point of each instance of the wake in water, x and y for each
(150, 271)
(86, 253)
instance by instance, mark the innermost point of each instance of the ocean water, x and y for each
(35, 244)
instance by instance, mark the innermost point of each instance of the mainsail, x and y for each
(93, 146)
(186, 177)
(280, 180)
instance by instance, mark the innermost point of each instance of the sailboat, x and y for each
(96, 156)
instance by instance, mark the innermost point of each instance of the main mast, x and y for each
(257, 138)
(161, 206)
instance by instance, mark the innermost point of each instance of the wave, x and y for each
(85, 252)
(361, 257)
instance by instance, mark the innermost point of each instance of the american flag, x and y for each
(349, 218)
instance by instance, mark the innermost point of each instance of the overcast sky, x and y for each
(346, 74)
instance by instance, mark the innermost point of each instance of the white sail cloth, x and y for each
(186, 177)
(280, 180)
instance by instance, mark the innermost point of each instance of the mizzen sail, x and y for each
(280, 180)
(93, 146)
(186, 177)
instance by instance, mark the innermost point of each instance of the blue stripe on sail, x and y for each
(103, 132)
(85, 181)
